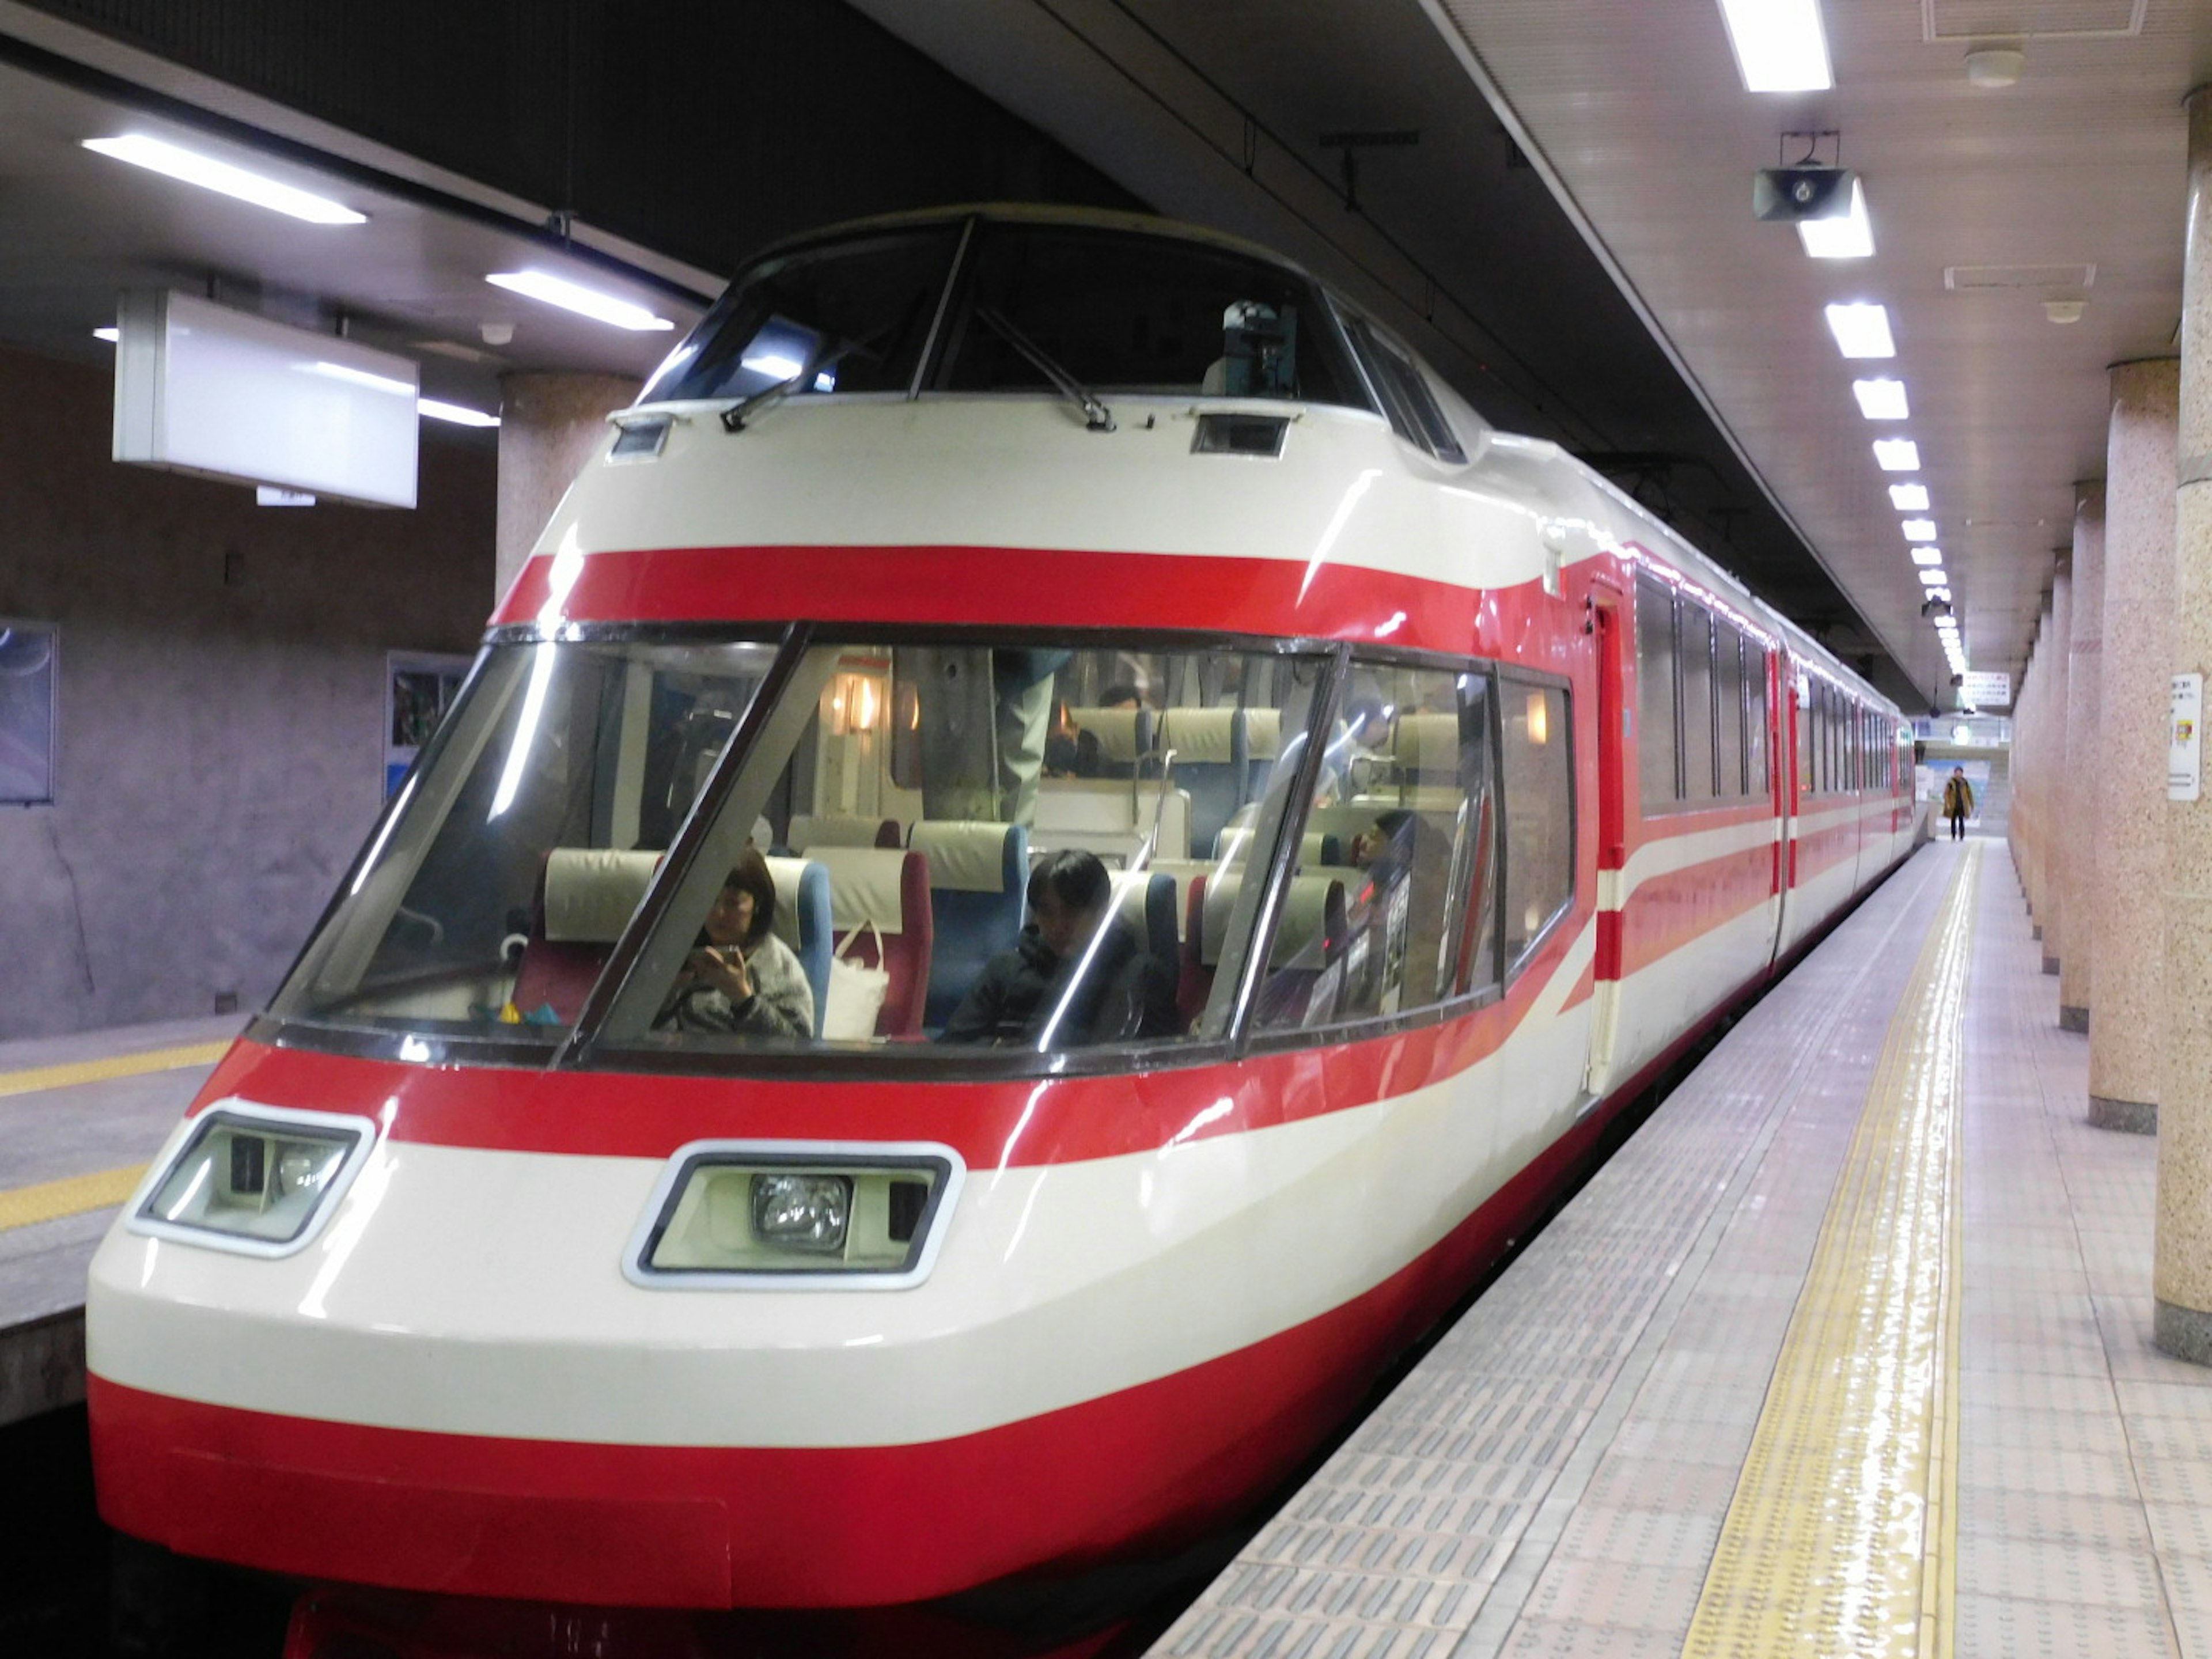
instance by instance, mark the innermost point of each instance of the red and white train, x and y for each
(1451, 793)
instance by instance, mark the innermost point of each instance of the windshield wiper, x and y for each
(1095, 415)
(759, 402)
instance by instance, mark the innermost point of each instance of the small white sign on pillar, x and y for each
(2184, 769)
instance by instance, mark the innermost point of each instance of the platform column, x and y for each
(2082, 781)
(2019, 827)
(548, 424)
(2183, 1274)
(2127, 946)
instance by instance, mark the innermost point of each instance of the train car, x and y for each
(1056, 846)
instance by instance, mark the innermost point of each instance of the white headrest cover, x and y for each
(965, 856)
(1206, 736)
(1263, 733)
(786, 873)
(1232, 842)
(1299, 934)
(1115, 728)
(1131, 888)
(864, 886)
(828, 830)
(590, 892)
(1427, 747)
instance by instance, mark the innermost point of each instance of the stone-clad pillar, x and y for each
(2128, 948)
(2081, 781)
(2053, 765)
(548, 425)
(2183, 1279)
(2019, 828)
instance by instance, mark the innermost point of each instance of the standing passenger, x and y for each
(1958, 801)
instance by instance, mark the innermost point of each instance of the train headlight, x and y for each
(256, 1179)
(796, 1215)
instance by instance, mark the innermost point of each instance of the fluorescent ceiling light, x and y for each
(1897, 454)
(1909, 498)
(1880, 400)
(360, 377)
(772, 364)
(212, 174)
(1931, 578)
(1942, 593)
(457, 413)
(1862, 330)
(1920, 530)
(599, 308)
(1779, 45)
(1848, 237)
(1927, 555)
(109, 335)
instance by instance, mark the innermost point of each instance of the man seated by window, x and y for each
(1077, 975)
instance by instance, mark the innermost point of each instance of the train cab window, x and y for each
(514, 856)
(1392, 905)
(1539, 812)
(847, 316)
(1412, 409)
(1655, 694)
(1118, 311)
(1695, 624)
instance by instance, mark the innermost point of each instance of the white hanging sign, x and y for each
(2183, 770)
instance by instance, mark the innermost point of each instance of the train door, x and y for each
(1608, 625)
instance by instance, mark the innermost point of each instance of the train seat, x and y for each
(1263, 743)
(1109, 819)
(1306, 960)
(841, 830)
(978, 875)
(1315, 846)
(1208, 744)
(1185, 877)
(1145, 899)
(802, 922)
(1124, 736)
(585, 899)
(890, 889)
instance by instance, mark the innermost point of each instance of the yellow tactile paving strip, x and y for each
(1841, 1538)
(50, 1201)
(101, 1070)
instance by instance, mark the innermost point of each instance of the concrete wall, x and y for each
(222, 704)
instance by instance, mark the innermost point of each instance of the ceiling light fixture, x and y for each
(1920, 530)
(1880, 400)
(1935, 578)
(1848, 236)
(1942, 593)
(584, 301)
(1927, 555)
(1779, 45)
(1897, 454)
(1862, 330)
(459, 414)
(109, 335)
(220, 176)
(360, 377)
(1995, 66)
(2065, 311)
(1909, 498)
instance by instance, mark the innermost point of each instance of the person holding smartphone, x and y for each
(739, 976)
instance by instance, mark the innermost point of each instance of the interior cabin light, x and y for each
(1919, 529)
(1880, 400)
(1779, 45)
(1538, 720)
(1897, 454)
(584, 301)
(1848, 236)
(1926, 553)
(1862, 330)
(1909, 498)
(459, 414)
(222, 178)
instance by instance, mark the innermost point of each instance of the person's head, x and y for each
(1958, 771)
(1120, 694)
(1068, 893)
(1380, 836)
(744, 910)
(1368, 721)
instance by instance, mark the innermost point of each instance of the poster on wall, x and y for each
(27, 673)
(419, 687)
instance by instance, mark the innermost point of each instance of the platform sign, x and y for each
(1978, 691)
(2185, 743)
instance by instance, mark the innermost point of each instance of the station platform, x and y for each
(1847, 1350)
(79, 1117)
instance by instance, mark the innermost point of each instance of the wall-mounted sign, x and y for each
(26, 712)
(1986, 690)
(2184, 772)
(419, 687)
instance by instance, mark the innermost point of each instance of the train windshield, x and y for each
(1017, 307)
(918, 849)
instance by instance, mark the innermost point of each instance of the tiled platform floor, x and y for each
(49, 1134)
(1552, 1479)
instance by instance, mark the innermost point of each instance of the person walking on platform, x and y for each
(1958, 801)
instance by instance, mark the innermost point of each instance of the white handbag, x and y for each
(856, 993)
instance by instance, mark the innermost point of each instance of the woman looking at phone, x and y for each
(739, 976)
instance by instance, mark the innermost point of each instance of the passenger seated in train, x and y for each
(739, 976)
(1077, 975)
(1071, 752)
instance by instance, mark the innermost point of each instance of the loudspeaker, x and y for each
(1795, 193)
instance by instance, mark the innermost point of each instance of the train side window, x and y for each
(1539, 812)
(1392, 906)
(1696, 626)
(1655, 694)
(1803, 701)
(1756, 779)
